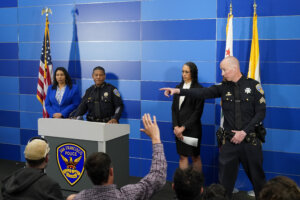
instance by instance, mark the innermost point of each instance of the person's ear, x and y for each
(173, 187)
(111, 171)
(47, 158)
(201, 190)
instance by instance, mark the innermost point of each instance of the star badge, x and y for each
(247, 90)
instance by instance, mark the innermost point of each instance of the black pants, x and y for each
(231, 155)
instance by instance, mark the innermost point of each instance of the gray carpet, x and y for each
(7, 167)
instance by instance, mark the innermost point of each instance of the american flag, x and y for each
(45, 70)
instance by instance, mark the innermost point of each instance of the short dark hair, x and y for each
(280, 188)
(97, 166)
(68, 78)
(194, 72)
(35, 163)
(188, 183)
(99, 68)
(214, 192)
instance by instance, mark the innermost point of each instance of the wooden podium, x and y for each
(85, 137)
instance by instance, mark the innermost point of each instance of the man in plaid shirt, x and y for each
(100, 171)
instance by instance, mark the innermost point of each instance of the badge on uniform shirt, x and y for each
(116, 92)
(247, 90)
(105, 94)
(262, 100)
(259, 88)
(228, 94)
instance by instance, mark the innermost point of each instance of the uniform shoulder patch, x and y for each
(259, 88)
(116, 92)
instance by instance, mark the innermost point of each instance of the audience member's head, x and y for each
(36, 152)
(214, 192)
(280, 188)
(188, 184)
(99, 168)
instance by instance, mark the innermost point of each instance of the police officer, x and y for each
(102, 101)
(244, 107)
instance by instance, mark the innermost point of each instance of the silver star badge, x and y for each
(247, 90)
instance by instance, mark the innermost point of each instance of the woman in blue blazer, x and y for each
(62, 97)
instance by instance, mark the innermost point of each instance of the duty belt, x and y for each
(250, 138)
(93, 119)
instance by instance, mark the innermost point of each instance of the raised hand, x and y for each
(151, 128)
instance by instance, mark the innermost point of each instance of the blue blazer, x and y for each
(69, 102)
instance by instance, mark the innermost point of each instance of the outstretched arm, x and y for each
(156, 178)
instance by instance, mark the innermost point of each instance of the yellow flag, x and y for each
(254, 71)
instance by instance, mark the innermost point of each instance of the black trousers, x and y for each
(251, 157)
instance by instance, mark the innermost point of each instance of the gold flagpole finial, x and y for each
(230, 8)
(254, 6)
(47, 11)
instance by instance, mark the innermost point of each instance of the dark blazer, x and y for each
(190, 113)
(69, 102)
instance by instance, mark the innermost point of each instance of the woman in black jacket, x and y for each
(186, 118)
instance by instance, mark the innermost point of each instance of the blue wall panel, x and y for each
(8, 3)
(117, 51)
(276, 140)
(10, 135)
(32, 33)
(179, 30)
(129, 90)
(8, 51)
(171, 71)
(9, 102)
(170, 151)
(167, 9)
(289, 162)
(282, 118)
(30, 103)
(134, 167)
(9, 68)
(29, 68)
(30, 120)
(8, 16)
(28, 85)
(31, 15)
(113, 31)
(161, 109)
(134, 146)
(132, 109)
(208, 116)
(265, 8)
(9, 85)
(26, 134)
(150, 90)
(208, 135)
(179, 50)
(61, 13)
(282, 93)
(114, 69)
(280, 73)
(30, 51)
(9, 119)
(10, 152)
(9, 34)
(108, 12)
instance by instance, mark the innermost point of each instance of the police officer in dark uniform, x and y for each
(102, 101)
(244, 107)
